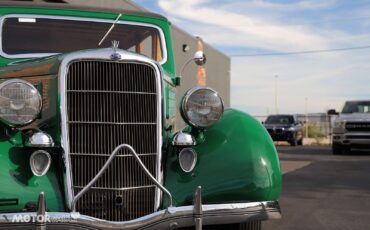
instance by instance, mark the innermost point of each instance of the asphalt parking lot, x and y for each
(323, 191)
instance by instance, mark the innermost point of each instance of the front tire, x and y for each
(338, 149)
(300, 142)
(293, 142)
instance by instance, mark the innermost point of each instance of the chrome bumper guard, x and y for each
(196, 215)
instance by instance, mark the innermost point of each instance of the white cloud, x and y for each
(326, 79)
(299, 5)
(233, 29)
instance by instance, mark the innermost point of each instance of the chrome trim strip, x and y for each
(107, 155)
(118, 189)
(362, 133)
(161, 34)
(104, 55)
(104, 91)
(111, 123)
(180, 216)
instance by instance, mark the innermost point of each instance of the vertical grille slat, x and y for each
(109, 104)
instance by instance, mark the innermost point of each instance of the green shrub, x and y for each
(314, 132)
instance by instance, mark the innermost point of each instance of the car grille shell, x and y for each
(108, 104)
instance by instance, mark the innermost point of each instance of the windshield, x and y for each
(284, 120)
(357, 107)
(21, 36)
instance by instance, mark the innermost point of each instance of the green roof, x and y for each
(60, 4)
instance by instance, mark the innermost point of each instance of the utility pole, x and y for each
(306, 112)
(276, 95)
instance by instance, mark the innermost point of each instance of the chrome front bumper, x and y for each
(352, 138)
(171, 218)
(196, 215)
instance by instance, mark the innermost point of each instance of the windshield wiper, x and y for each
(110, 30)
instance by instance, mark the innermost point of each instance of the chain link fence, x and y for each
(317, 128)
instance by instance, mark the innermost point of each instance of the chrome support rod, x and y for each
(107, 163)
(183, 67)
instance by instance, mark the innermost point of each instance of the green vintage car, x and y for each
(87, 138)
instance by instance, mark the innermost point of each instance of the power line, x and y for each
(302, 52)
(299, 23)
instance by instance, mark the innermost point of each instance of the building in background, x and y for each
(217, 69)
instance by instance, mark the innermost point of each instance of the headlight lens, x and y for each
(339, 124)
(20, 102)
(202, 107)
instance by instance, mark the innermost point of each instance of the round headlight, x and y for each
(202, 107)
(20, 102)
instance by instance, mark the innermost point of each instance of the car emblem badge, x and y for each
(115, 56)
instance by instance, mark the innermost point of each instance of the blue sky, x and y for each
(239, 27)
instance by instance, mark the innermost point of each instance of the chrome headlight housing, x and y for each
(339, 124)
(202, 107)
(20, 102)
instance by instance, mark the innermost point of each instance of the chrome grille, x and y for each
(358, 126)
(109, 104)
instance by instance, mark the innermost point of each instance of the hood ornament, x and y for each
(115, 45)
(115, 56)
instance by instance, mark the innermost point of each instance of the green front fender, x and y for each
(237, 162)
(19, 188)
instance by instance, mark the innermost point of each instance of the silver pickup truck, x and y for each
(351, 129)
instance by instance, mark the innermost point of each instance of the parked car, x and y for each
(285, 128)
(351, 128)
(88, 139)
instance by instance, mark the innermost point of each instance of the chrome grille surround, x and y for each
(104, 56)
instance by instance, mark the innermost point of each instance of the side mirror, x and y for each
(200, 58)
(332, 112)
(263, 122)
